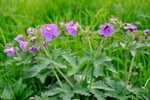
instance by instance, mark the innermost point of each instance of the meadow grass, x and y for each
(18, 15)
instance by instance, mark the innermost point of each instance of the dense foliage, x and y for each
(59, 60)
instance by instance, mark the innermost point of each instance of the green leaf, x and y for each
(112, 69)
(102, 60)
(73, 63)
(42, 76)
(53, 92)
(98, 94)
(59, 62)
(83, 91)
(6, 93)
(102, 86)
(39, 98)
(71, 60)
(68, 94)
(38, 68)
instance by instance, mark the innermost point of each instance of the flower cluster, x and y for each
(48, 31)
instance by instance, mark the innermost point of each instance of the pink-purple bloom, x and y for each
(49, 31)
(146, 31)
(23, 45)
(10, 52)
(132, 27)
(28, 30)
(18, 38)
(33, 49)
(106, 30)
(72, 29)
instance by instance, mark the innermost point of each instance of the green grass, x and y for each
(18, 15)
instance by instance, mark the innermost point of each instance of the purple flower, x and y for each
(146, 31)
(33, 49)
(28, 30)
(23, 45)
(72, 29)
(10, 52)
(106, 30)
(49, 31)
(49, 86)
(18, 38)
(132, 27)
(45, 45)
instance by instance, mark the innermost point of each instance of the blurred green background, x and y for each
(17, 15)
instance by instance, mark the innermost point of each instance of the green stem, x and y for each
(86, 68)
(57, 77)
(125, 65)
(129, 72)
(47, 53)
(91, 75)
(96, 53)
(100, 47)
(90, 44)
(63, 75)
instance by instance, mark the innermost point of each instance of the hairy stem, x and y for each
(90, 44)
(57, 77)
(130, 72)
(47, 53)
(63, 75)
(125, 65)
(92, 75)
(86, 68)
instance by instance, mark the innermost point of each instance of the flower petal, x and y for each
(110, 26)
(43, 33)
(101, 31)
(112, 31)
(49, 37)
(107, 33)
(102, 26)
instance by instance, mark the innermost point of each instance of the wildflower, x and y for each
(49, 86)
(45, 45)
(18, 38)
(23, 45)
(106, 30)
(72, 29)
(30, 31)
(146, 31)
(131, 27)
(33, 49)
(113, 19)
(10, 52)
(49, 31)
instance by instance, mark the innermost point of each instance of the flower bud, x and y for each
(136, 37)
